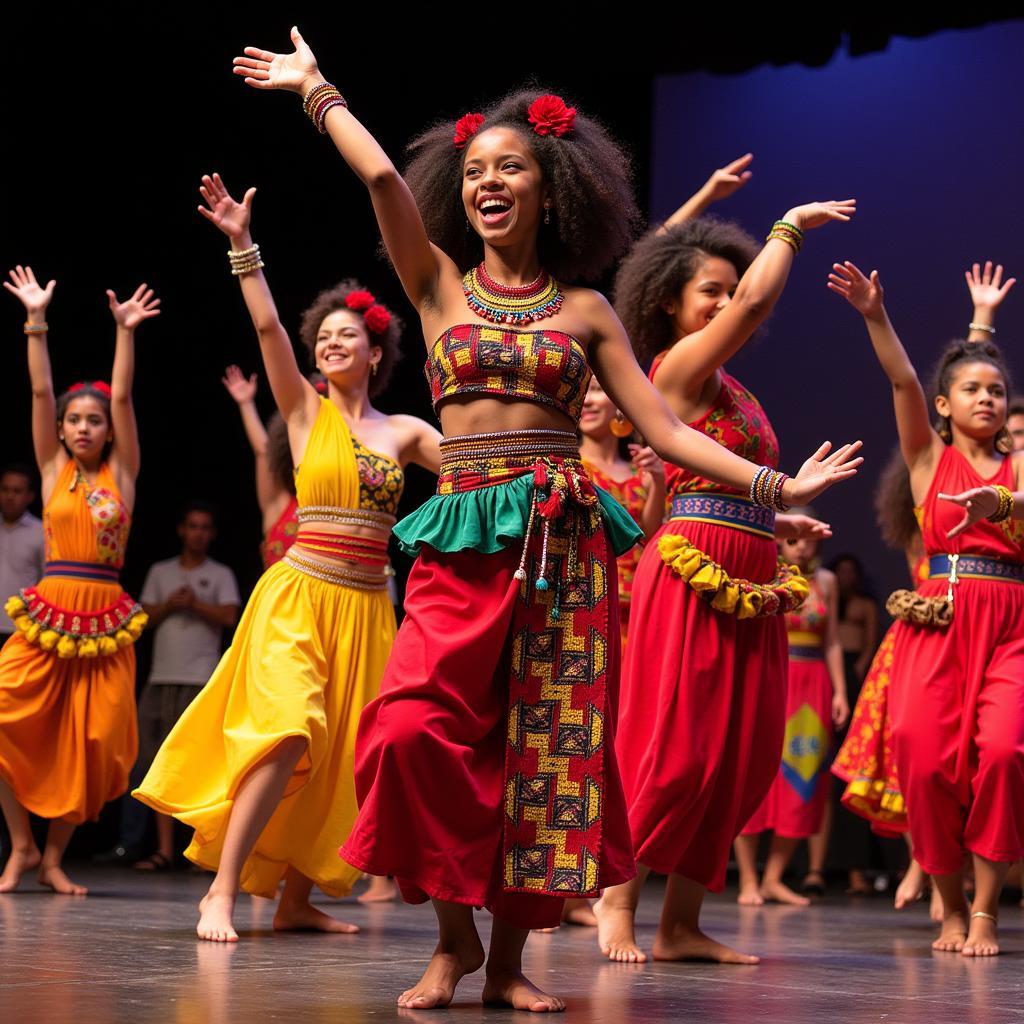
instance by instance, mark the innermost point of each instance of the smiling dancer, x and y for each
(68, 736)
(261, 763)
(957, 716)
(514, 568)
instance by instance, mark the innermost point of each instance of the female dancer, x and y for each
(261, 763)
(67, 678)
(957, 717)
(275, 481)
(704, 682)
(815, 701)
(497, 585)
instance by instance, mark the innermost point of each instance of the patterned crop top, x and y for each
(380, 479)
(737, 421)
(545, 366)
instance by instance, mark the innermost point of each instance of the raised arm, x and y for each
(243, 391)
(919, 442)
(691, 361)
(50, 453)
(616, 367)
(416, 261)
(987, 290)
(295, 396)
(124, 455)
(722, 184)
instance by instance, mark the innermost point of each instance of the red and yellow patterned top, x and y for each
(545, 366)
(737, 421)
(806, 627)
(380, 479)
(281, 536)
(85, 522)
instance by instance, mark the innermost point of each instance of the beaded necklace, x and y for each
(502, 304)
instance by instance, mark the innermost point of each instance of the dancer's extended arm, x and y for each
(987, 290)
(722, 184)
(243, 390)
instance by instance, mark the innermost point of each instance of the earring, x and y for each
(547, 214)
(620, 426)
(373, 369)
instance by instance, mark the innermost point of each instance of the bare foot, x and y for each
(982, 939)
(18, 863)
(445, 970)
(693, 944)
(936, 911)
(954, 933)
(513, 988)
(380, 890)
(616, 935)
(777, 892)
(304, 917)
(750, 896)
(911, 887)
(579, 913)
(215, 910)
(55, 879)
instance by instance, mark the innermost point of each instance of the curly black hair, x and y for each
(594, 216)
(279, 453)
(894, 504)
(658, 267)
(958, 353)
(333, 299)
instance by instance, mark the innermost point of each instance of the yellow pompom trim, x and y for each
(67, 647)
(741, 598)
(14, 606)
(48, 639)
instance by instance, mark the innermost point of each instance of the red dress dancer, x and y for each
(281, 535)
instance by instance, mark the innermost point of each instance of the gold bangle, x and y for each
(247, 268)
(239, 254)
(1005, 507)
(36, 328)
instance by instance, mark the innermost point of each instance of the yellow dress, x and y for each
(307, 655)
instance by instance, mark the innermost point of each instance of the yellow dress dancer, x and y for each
(67, 678)
(308, 654)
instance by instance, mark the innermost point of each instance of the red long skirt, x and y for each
(795, 804)
(957, 703)
(430, 754)
(703, 708)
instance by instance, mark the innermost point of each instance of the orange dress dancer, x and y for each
(795, 804)
(67, 678)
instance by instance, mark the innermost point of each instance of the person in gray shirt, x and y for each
(21, 538)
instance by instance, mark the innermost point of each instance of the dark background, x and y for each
(111, 117)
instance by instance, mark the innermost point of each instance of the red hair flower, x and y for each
(377, 319)
(97, 385)
(465, 128)
(550, 116)
(359, 300)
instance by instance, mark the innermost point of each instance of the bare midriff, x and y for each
(472, 414)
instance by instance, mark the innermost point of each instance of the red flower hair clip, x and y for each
(359, 300)
(465, 128)
(97, 385)
(549, 115)
(377, 319)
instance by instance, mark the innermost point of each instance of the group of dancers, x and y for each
(491, 754)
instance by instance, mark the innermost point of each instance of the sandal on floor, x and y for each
(154, 862)
(813, 884)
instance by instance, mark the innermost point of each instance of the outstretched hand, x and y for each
(865, 294)
(27, 290)
(241, 388)
(821, 471)
(813, 215)
(647, 461)
(978, 503)
(222, 209)
(130, 313)
(263, 69)
(728, 179)
(799, 527)
(986, 286)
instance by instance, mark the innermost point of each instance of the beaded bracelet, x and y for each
(981, 327)
(318, 101)
(245, 261)
(1005, 507)
(766, 489)
(36, 328)
(788, 233)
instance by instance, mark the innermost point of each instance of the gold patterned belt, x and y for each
(375, 578)
(344, 516)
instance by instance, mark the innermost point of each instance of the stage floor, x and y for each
(127, 953)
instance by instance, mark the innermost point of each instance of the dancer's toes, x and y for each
(615, 934)
(54, 878)
(380, 890)
(777, 892)
(304, 917)
(750, 896)
(17, 864)
(911, 887)
(215, 925)
(953, 935)
(693, 944)
(513, 988)
(982, 939)
(446, 969)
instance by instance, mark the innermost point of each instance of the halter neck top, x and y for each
(544, 366)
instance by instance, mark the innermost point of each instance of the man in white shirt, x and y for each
(21, 539)
(190, 601)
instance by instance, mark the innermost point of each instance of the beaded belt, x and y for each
(344, 516)
(973, 567)
(724, 510)
(343, 575)
(82, 571)
(471, 461)
(805, 646)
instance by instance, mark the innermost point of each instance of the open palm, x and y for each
(222, 209)
(822, 470)
(130, 313)
(865, 294)
(27, 290)
(263, 69)
(239, 387)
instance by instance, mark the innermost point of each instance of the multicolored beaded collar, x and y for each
(502, 304)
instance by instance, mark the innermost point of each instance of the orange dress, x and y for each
(67, 678)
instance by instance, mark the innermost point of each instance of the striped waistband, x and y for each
(375, 578)
(804, 645)
(368, 551)
(472, 461)
(724, 510)
(344, 516)
(82, 571)
(974, 567)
